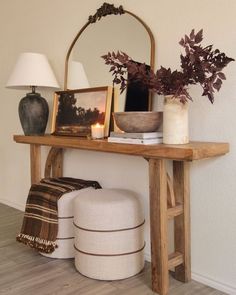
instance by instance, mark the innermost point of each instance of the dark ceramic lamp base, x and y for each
(33, 113)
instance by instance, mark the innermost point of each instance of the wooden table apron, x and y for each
(159, 211)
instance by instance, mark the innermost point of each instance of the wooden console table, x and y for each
(161, 207)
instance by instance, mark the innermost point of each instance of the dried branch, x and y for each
(199, 65)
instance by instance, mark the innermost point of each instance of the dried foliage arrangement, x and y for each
(199, 65)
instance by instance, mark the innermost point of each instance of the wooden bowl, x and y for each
(138, 121)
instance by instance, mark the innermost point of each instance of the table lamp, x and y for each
(33, 70)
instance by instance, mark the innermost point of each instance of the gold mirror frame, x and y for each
(104, 10)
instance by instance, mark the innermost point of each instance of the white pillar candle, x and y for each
(97, 131)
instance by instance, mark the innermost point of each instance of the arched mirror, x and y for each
(110, 29)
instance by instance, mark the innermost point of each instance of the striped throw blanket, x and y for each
(40, 223)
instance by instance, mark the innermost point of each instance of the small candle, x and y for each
(97, 131)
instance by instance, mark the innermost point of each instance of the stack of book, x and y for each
(136, 138)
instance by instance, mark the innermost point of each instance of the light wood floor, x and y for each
(24, 271)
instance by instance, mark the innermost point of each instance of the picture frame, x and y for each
(74, 111)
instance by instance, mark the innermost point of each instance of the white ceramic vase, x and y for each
(175, 121)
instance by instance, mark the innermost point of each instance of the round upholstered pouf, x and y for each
(65, 235)
(109, 239)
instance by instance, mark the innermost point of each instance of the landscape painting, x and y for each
(76, 110)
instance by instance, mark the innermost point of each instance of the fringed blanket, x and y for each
(40, 223)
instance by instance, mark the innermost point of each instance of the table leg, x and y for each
(182, 222)
(158, 226)
(57, 168)
(35, 163)
(54, 163)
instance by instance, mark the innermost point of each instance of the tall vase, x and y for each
(175, 121)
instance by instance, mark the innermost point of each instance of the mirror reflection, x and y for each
(123, 32)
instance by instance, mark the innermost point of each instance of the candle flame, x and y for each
(98, 125)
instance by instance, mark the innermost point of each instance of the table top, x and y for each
(183, 152)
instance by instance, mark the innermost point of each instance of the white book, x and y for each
(135, 140)
(141, 135)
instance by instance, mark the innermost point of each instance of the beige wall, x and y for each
(49, 27)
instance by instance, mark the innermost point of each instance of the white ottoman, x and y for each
(109, 240)
(65, 235)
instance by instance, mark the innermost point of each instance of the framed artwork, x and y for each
(74, 111)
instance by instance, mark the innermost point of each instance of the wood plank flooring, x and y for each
(25, 272)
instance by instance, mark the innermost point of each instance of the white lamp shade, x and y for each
(32, 69)
(77, 78)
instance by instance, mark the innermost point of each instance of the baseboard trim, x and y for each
(13, 204)
(231, 290)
